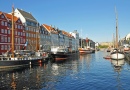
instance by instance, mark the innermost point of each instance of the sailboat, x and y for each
(17, 58)
(116, 52)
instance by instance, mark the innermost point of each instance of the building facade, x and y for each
(31, 28)
(6, 33)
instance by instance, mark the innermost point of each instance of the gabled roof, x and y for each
(9, 16)
(50, 29)
(27, 15)
(4, 15)
(66, 33)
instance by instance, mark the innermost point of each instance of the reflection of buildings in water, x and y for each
(13, 83)
(86, 59)
(36, 77)
(118, 65)
(24, 79)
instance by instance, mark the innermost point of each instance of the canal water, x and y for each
(81, 72)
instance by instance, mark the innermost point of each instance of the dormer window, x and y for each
(18, 21)
(2, 16)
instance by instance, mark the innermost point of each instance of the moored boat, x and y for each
(117, 54)
(59, 53)
(84, 51)
(21, 58)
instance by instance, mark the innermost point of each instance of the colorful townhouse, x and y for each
(6, 33)
(62, 39)
(44, 38)
(31, 29)
(53, 35)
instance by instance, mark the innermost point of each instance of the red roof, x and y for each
(9, 16)
(50, 29)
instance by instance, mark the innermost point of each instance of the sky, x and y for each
(94, 19)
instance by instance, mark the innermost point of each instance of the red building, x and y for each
(6, 32)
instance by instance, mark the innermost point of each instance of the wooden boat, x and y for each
(116, 52)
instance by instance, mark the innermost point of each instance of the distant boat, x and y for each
(116, 53)
(126, 47)
(86, 49)
(108, 49)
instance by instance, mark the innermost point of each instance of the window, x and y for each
(18, 33)
(18, 21)
(26, 28)
(5, 23)
(21, 27)
(15, 25)
(8, 31)
(8, 46)
(2, 23)
(5, 39)
(2, 30)
(2, 39)
(5, 47)
(15, 40)
(18, 40)
(8, 39)
(5, 31)
(21, 34)
(15, 32)
(2, 47)
(18, 26)
(27, 34)
(2, 16)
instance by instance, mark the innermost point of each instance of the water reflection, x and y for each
(37, 77)
(86, 60)
(84, 72)
(118, 66)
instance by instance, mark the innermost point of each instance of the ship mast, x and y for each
(116, 29)
(37, 40)
(12, 31)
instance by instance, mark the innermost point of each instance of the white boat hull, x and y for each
(117, 56)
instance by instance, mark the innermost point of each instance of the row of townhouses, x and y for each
(28, 30)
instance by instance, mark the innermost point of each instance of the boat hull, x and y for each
(13, 63)
(60, 56)
(117, 55)
(7, 63)
(85, 51)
